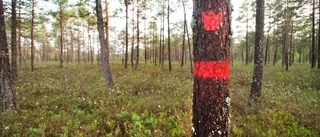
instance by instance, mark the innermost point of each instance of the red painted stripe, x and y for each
(212, 69)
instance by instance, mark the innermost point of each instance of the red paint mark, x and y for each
(212, 69)
(211, 20)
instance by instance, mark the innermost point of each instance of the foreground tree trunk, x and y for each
(104, 44)
(7, 99)
(13, 40)
(169, 48)
(211, 68)
(61, 36)
(258, 60)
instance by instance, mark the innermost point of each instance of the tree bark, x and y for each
(319, 38)
(189, 47)
(286, 39)
(184, 33)
(247, 42)
(126, 54)
(32, 37)
(258, 59)
(275, 55)
(211, 67)
(6, 91)
(13, 40)
(169, 48)
(132, 41)
(19, 39)
(138, 35)
(313, 54)
(104, 45)
(61, 35)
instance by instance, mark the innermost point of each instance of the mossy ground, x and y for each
(150, 101)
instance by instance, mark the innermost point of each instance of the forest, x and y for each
(160, 68)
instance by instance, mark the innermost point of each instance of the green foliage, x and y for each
(150, 101)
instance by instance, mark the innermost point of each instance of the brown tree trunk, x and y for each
(61, 36)
(162, 54)
(211, 68)
(313, 54)
(184, 33)
(13, 40)
(286, 39)
(104, 44)
(32, 37)
(169, 48)
(319, 38)
(79, 45)
(132, 41)
(126, 54)
(138, 35)
(8, 99)
(267, 48)
(258, 59)
(189, 47)
(19, 39)
(247, 42)
(275, 55)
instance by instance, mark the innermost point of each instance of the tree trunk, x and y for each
(160, 41)
(291, 46)
(189, 47)
(211, 68)
(162, 54)
(313, 54)
(13, 40)
(126, 53)
(184, 33)
(267, 48)
(319, 38)
(32, 37)
(275, 56)
(79, 45)
(258, 59)
(169, 48)
(286, 39)
(138, 35)
(104, 45)
(145, 40)
(8, 99)
(19, 39)
(132, 42)
(61, 36)
(247, 42)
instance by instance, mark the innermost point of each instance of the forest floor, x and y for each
(150, 101)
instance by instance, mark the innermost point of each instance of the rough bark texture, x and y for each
(13, 40)
(258, 60)
(211, 84)
(32, 37)
(104, 46)
(7, 100)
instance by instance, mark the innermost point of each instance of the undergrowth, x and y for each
(150, 101)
